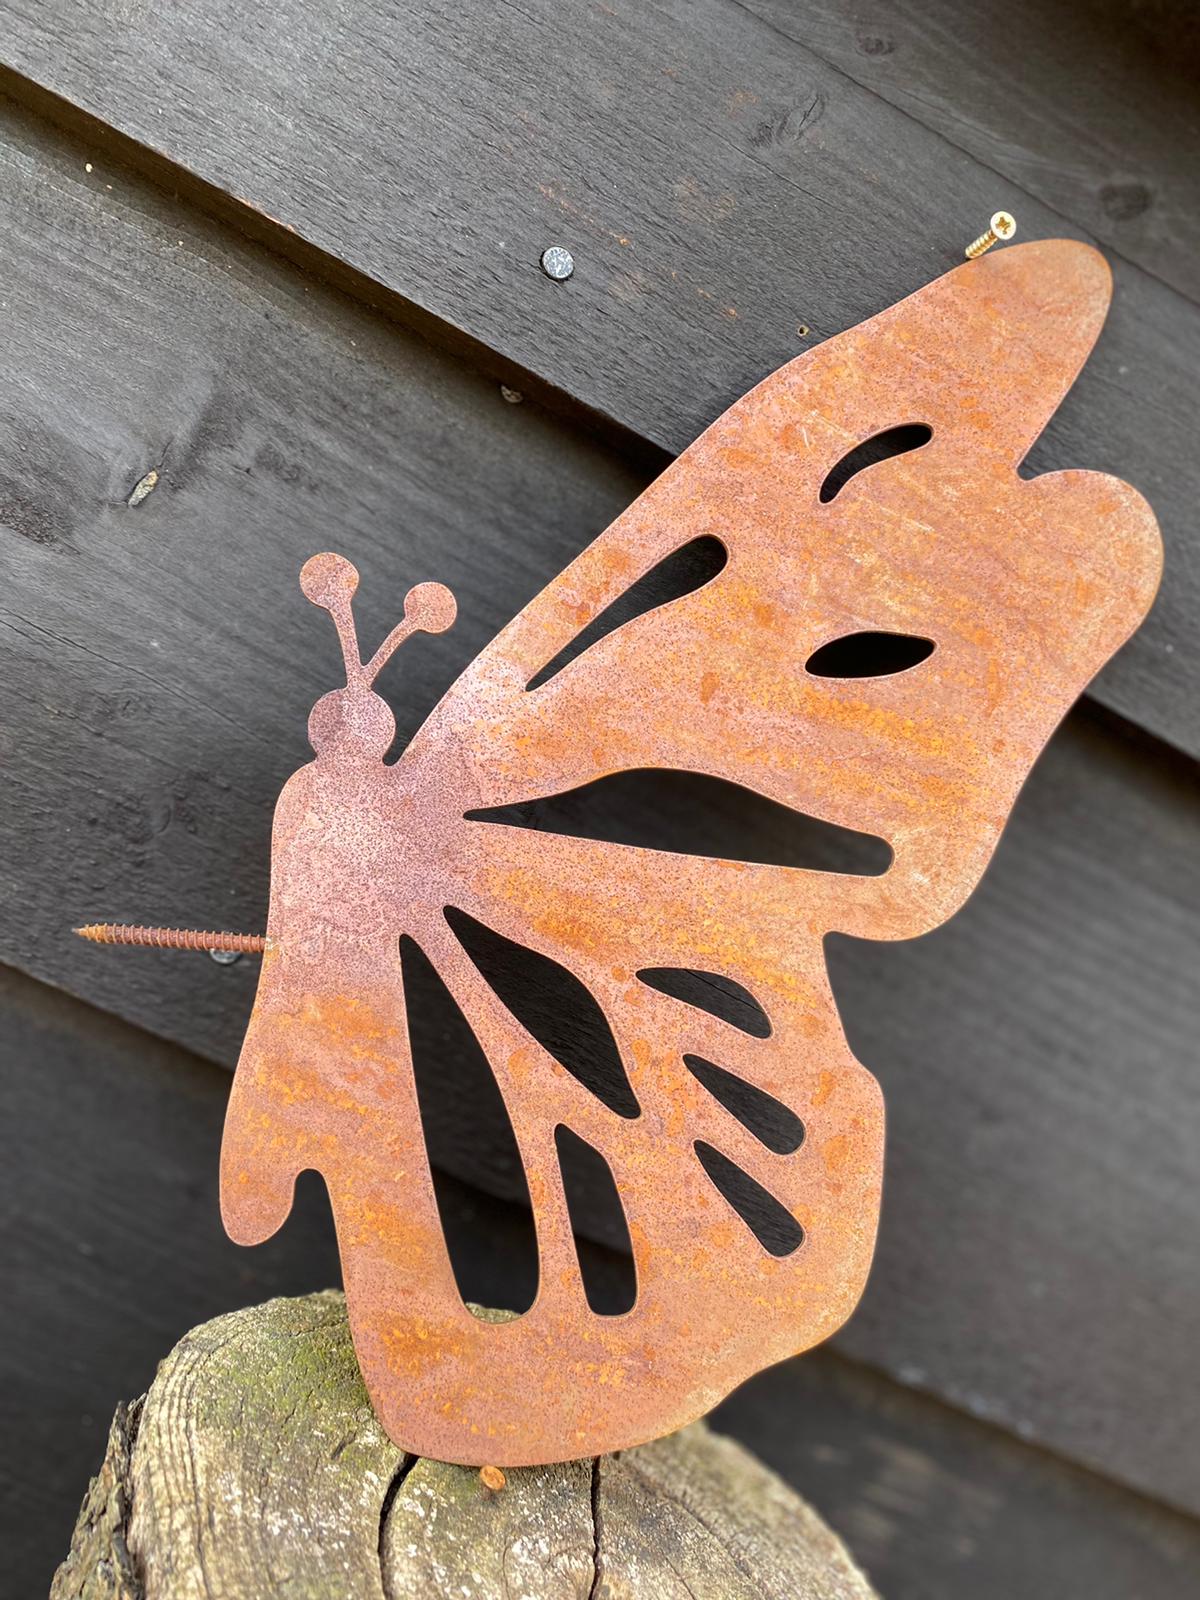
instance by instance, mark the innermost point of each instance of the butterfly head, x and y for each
(355, 721)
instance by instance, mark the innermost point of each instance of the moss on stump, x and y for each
(255, 1467)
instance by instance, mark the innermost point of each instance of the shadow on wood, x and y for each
(255, 1463)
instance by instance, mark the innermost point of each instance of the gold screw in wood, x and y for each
(1002, 226)
(492, 1479)
(172, 938)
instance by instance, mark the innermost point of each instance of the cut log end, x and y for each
(256, 1454)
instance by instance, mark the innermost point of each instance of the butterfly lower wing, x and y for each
(608, 913)
(325, 1083)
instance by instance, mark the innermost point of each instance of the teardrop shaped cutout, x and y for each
(869, 655)
(771, 1223)
(554, 1006)
(769, 1120)
(594, 1206)
(721, 997)
(689, 568)
(879, 447)
(465, 1110)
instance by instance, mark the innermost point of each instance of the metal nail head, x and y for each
(1002, 226)
(558, 263)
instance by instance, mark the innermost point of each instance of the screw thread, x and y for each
(984, 242)
(171, 938)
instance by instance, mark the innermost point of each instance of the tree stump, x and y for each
(254, 1466)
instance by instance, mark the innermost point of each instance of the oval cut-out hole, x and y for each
(695, 814)
(869, 655)
(689, 568)
(594, 1206)
(769, 1120)
(771, 1223)
(464, 1110)
(709, 991)
(879, 447)
(554, 1006)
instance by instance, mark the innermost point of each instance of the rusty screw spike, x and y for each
(171, 938)
(1002, 226)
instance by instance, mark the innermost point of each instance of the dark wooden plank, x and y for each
(936, 1506)
(718, 183)
(145, 701)
(112, 1245)
(1039, 1058)
(1037, 1053)
(115, 1248)
(1089, 105)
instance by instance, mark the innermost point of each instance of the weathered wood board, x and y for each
(935, 1505)
(1091, 106)
(718, 183)
(1033, 1052)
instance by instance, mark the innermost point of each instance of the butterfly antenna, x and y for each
(329, 581)
(428, 608)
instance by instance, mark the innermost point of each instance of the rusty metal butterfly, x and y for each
(1016, 591)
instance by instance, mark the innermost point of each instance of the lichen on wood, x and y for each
(255, 1466)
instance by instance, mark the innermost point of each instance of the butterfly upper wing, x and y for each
(1025, 589)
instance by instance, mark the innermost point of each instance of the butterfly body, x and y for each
(1022, 589)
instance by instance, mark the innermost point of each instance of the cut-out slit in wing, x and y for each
(691, 813)
(689, 568)
(553, 1006)
(771, 1223)
(594, 1205)
(708, 991)
(466, 1111)
(869, 654)
(879, 447)
(768, 1119)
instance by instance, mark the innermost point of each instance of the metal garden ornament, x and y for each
(999, 597)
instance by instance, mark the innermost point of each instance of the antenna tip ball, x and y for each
(430, 607)
(327, 579)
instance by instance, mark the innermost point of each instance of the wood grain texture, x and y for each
(1091, 106)
(718, 183)
(936, 1506)
(1038, 1053)
(257, 1466)
(160, 348)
